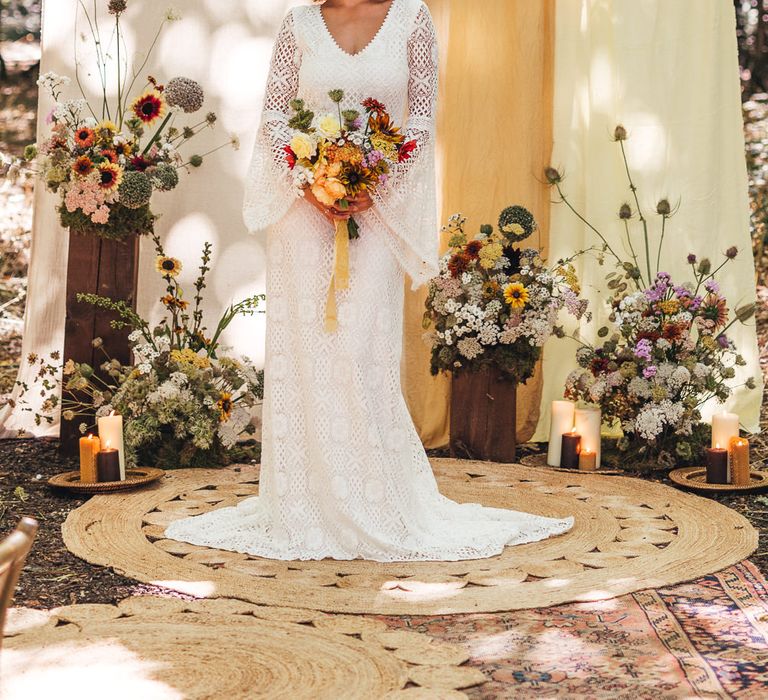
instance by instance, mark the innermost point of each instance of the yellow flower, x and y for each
(515, 229)
(670, 306)
(380, 143)
(516, 295)
(167, 266)
(187, 356)
(105, 129)
(224, 404)
(489, 254)
(329, 126)
(327, 187)
(303, 146)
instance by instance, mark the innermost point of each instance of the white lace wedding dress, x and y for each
(344, 474)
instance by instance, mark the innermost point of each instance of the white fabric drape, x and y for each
(667, 71)
(226, 47)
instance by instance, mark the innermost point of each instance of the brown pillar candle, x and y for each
(569, 452)
(716, 459)
(738, 449)
(108, 464)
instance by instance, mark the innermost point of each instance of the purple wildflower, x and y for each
(723, 342)
(692, 259)
(712, 286)
(643, 349)
(650, 371)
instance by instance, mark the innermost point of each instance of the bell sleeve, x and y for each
(268, 187)
(407, 203)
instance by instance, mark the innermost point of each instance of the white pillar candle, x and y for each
(111, 435)
(724, 427)
(587, 422)
(560, 422)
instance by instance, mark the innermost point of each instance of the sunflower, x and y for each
(473, 248)
(224, 404)
(171, 302)
(105, 130)
(355, 179)
(167, 266)
(110, 155)
(380, 125)
(123, 148)
(149, 106)
(490, 289)
(84, 137)
(715, 309)
(516, 295)
(111, 176)
(83, 166)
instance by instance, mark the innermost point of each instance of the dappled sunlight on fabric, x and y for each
(192, 33)
(83, 670)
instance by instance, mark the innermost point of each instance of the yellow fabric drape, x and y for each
(494, 140)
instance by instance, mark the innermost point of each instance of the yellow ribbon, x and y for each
(340, 276)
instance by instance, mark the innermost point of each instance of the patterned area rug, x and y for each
(707, 638)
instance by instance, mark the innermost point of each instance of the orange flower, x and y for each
(83, 166)
(327, 188)
(110, 155)
(84, 137)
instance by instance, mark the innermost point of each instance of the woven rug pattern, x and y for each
(166, 649)
(629, 535)
(707, 638)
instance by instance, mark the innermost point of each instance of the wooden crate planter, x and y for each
(97, 266)
(483, 416)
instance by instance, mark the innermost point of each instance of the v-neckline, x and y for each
(368, 45)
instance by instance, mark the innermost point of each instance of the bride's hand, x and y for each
(330, 213)
(361, 203)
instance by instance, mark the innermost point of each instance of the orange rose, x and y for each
(327, 188)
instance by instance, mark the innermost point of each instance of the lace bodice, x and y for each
(401, 62)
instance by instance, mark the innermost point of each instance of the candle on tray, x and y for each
(570, 446)
(587, 460)
(738, 458)
(587, 423)
(716, 459)
(724, 427)
(89, 447)
(108, 464)
(111, 431)
(560, 422)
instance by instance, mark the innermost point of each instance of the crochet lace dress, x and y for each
(344, 474)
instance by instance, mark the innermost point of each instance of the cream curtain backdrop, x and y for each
(668, 71)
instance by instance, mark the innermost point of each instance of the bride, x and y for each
(344, 474)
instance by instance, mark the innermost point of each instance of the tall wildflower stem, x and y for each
(661, 242)
(643, 220)
(581, 218)
(632, 252)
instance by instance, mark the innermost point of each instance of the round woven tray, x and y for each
(140, 476)
(540, 460)
(695, 479)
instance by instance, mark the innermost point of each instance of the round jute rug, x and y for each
(166, 649)
(629, 535)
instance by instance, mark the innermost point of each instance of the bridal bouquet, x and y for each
(106, 160)
(183, 403)
(337, 157)
(494, 303)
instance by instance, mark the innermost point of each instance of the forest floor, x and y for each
(56, 577)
